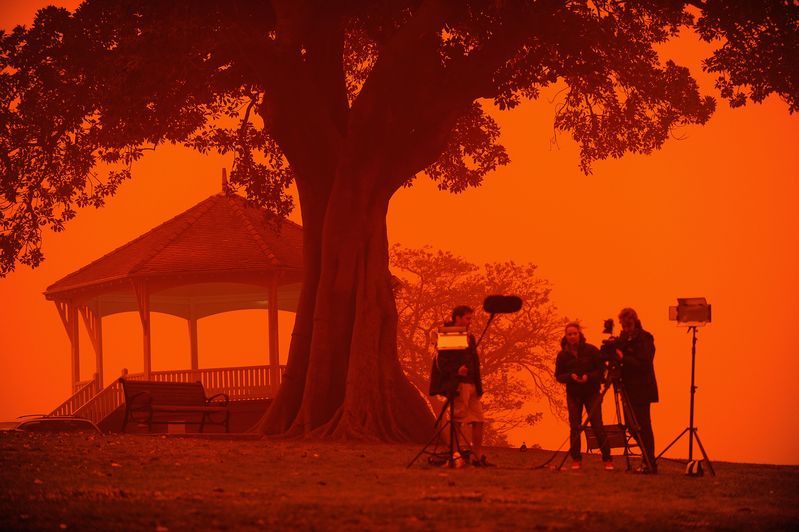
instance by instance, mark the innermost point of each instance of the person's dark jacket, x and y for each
(585, 362)
(637, 366)
(444, 378)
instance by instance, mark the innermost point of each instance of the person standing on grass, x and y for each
(579, 367)
(637, 355)
(467, 405)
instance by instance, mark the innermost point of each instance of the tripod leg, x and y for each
(627, 453)
(624, 423)
(453, 435)
(669, 446)
(429, 443)
(704, 454)
(436, 434)
(560, 466)
(441, 414)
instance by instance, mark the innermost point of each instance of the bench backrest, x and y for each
(616, 435)
(166, 393)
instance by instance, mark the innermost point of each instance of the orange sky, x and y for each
(713, 215)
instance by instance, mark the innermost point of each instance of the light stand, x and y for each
(691, 430)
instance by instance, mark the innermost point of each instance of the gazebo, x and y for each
(220, 255)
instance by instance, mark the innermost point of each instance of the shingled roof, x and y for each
(222, 234)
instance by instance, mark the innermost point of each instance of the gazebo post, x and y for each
(92, 319)
(195, 359)
(143, 301)
(274, 345)
(98, 334)
(68, 313)
(74, 343)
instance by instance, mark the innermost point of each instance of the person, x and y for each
(462, 375)
(636, 352)
(579, 367)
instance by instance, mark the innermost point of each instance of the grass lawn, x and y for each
(157, 483)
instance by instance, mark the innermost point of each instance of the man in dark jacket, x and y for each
(579, 367)
(637, 354)
(456, 375)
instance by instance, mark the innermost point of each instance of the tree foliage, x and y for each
(517, 355)
(83, 95)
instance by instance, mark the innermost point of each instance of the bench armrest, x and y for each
(225, 399)
(145, 396)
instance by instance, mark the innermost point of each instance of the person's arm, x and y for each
(596, 363)
(642, 354)
(561, 373)
(478, 382)
(468, 360)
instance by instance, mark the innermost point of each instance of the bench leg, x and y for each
(125, 421)
(202, 423)
(227, 422)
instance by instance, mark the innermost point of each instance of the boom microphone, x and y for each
(502, 304)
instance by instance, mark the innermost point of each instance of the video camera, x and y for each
(609, 345)
(452, 351)
(608, 354)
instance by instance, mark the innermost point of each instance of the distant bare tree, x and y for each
(517, 354)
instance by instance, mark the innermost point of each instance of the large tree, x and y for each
(350, 100)
(517, 354)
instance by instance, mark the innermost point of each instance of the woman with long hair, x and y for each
(637, 355)
(579, 367)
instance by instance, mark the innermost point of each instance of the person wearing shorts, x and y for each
(467, 405)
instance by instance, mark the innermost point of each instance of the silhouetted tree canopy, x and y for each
(517, 355)
(84, 94)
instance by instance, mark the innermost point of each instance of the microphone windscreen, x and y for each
(498, 304)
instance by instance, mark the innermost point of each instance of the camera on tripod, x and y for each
(608, 354)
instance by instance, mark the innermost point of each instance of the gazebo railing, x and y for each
(83, 394)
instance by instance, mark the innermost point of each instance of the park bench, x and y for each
(154, 402)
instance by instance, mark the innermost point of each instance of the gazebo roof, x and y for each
(219, 255)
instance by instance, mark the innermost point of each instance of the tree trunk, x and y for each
(355, 387)
(283, 410)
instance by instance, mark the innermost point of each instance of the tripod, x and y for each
(630, 426)
(691, 429)
(455, 450)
